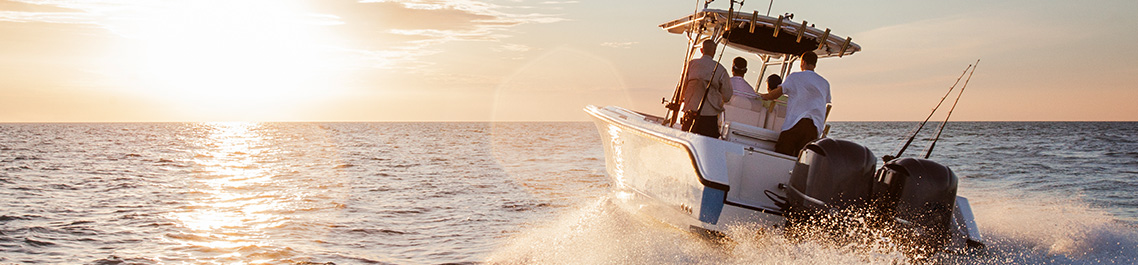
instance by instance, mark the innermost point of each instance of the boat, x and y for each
(706, 185)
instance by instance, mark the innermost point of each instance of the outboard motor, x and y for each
(834, 188)
(919, 195)
(830, 174)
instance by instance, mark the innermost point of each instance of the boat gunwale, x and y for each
(666, 139)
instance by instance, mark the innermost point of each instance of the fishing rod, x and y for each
(920, 126)
(674, 107)
(714, 71)
(941, 129)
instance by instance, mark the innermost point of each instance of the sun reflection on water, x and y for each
(226, 216)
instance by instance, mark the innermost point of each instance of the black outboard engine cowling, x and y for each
(831, 174)
(919, 194)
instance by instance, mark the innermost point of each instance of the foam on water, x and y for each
(1016, 230)
(1049, 229)
(603, 232)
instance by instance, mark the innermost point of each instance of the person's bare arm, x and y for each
(774, 94)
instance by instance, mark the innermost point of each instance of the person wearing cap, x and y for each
(707, 77)
(808, 93)
(740, 85)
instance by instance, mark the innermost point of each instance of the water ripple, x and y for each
(418, 193)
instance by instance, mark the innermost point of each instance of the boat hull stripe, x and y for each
(711, 205)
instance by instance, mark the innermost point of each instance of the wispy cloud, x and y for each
(392, 30)
(48, 17)
(514, 48)
(619, 45)
(957, 39)
(435, 21)
(11, 11)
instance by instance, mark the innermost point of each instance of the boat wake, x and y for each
(1017, 230)
(1051, 230)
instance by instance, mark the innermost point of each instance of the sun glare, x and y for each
(230, 57)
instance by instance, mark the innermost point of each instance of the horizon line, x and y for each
(469, 121)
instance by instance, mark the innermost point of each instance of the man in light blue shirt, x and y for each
(808, 93)
(706, 89)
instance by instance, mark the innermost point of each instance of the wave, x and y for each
(116, 260)
(1051, 229)
(4, 218)
(373, 231)
(38, 243)
(524, 206)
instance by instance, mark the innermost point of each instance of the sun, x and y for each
(240, 58)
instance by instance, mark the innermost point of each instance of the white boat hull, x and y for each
(692, 180)
(705, 184)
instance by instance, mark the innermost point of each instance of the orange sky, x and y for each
(511, 60)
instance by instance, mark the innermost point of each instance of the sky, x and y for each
(522, 60)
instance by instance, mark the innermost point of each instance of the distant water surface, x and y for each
(429, 193)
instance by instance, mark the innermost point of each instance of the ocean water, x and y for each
(515, 193)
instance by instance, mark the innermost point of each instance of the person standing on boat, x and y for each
(808, 93)
(707, 82)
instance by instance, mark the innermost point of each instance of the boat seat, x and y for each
(750, 135)
(776, 116)
(744, 110)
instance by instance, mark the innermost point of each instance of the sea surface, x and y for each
(514, 193)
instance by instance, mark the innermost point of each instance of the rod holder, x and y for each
(822, 41)
(753, 16)
(801, 31)
(778, 26)
(844, 46)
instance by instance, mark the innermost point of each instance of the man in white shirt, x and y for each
(808, 93)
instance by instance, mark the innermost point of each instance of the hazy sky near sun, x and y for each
(510, 60)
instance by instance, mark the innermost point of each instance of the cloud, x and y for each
(619, 45)
(11, 11)
(514, 48)
(47, 17)
(434, 22)
(422, 26)
(958, 39)
(393, 30)
(31, 7)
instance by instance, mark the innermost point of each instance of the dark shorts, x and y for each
(793, 140)
(704, 125)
